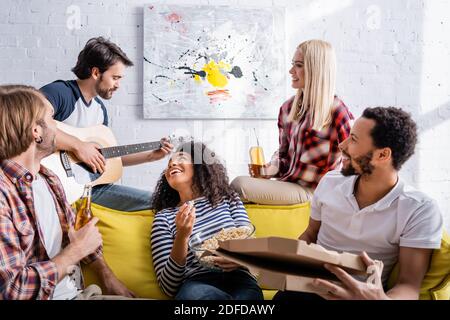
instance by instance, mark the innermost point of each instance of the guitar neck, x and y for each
(119, 151)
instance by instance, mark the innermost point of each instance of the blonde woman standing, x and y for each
(311, 126)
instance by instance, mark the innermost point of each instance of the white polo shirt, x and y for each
(405, 217)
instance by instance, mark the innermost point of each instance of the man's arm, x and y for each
(82, 243)
(110, 283)
(149, 156)
(138, 158)
(84, 151)
(310, 234)
(20, 280)
(413, 264)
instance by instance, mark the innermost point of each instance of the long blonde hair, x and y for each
(21, 107)
(317, 98)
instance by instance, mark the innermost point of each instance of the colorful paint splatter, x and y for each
(213, 62)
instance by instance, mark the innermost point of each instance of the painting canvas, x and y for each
(213, 62)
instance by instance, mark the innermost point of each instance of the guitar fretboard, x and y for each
(119, 151)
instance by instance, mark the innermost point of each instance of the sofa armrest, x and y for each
(442, 291)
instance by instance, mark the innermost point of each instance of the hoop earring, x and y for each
(39, 141)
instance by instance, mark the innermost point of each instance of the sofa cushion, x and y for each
(127, 250)
(279, 221)
(436, 283)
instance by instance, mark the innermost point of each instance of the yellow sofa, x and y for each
(126, 247)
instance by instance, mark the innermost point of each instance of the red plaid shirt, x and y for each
(304, 154)
(26, 271)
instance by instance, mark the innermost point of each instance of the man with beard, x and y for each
(367, 208)
(39, 248)
(99, 69)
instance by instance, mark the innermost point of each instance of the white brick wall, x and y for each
(389, 53)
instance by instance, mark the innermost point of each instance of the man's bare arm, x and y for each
(149, 156)
(84, 151)
(310, 234)
(413, 263)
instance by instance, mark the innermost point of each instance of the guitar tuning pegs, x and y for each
(179, 137)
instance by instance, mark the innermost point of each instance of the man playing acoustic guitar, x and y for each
(99, 69)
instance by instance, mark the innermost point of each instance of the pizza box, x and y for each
(288, 264)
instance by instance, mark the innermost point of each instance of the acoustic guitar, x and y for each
(75, 174)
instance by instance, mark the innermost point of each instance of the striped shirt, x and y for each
(208, 220)
(304, 154)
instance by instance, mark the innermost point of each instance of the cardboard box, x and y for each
(288, 264)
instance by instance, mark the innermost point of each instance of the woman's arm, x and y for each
(342, 123)
(184, 221)
(238, 212)
(169, 255)
(280, 156)
(240, 217)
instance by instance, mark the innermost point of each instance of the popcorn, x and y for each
(190, 203)
(213, 243)
(225, 234)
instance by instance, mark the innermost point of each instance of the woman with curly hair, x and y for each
(193, 195)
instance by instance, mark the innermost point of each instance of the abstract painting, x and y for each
(213, 62)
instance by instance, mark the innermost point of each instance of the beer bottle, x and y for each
(84, 213)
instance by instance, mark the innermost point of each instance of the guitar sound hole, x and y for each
(83, 173)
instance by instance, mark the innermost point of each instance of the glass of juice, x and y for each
(257, 162)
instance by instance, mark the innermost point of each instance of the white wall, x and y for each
(389, 53)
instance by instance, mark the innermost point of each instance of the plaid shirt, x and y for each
(26, 271)
(304, 154)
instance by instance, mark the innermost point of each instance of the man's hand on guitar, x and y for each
(165, 149)
(89, 154)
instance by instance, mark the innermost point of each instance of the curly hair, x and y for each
(394, 129)
(210, 179)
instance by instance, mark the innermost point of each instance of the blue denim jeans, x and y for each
(121, 198)
(234, 285)
(296, 296)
